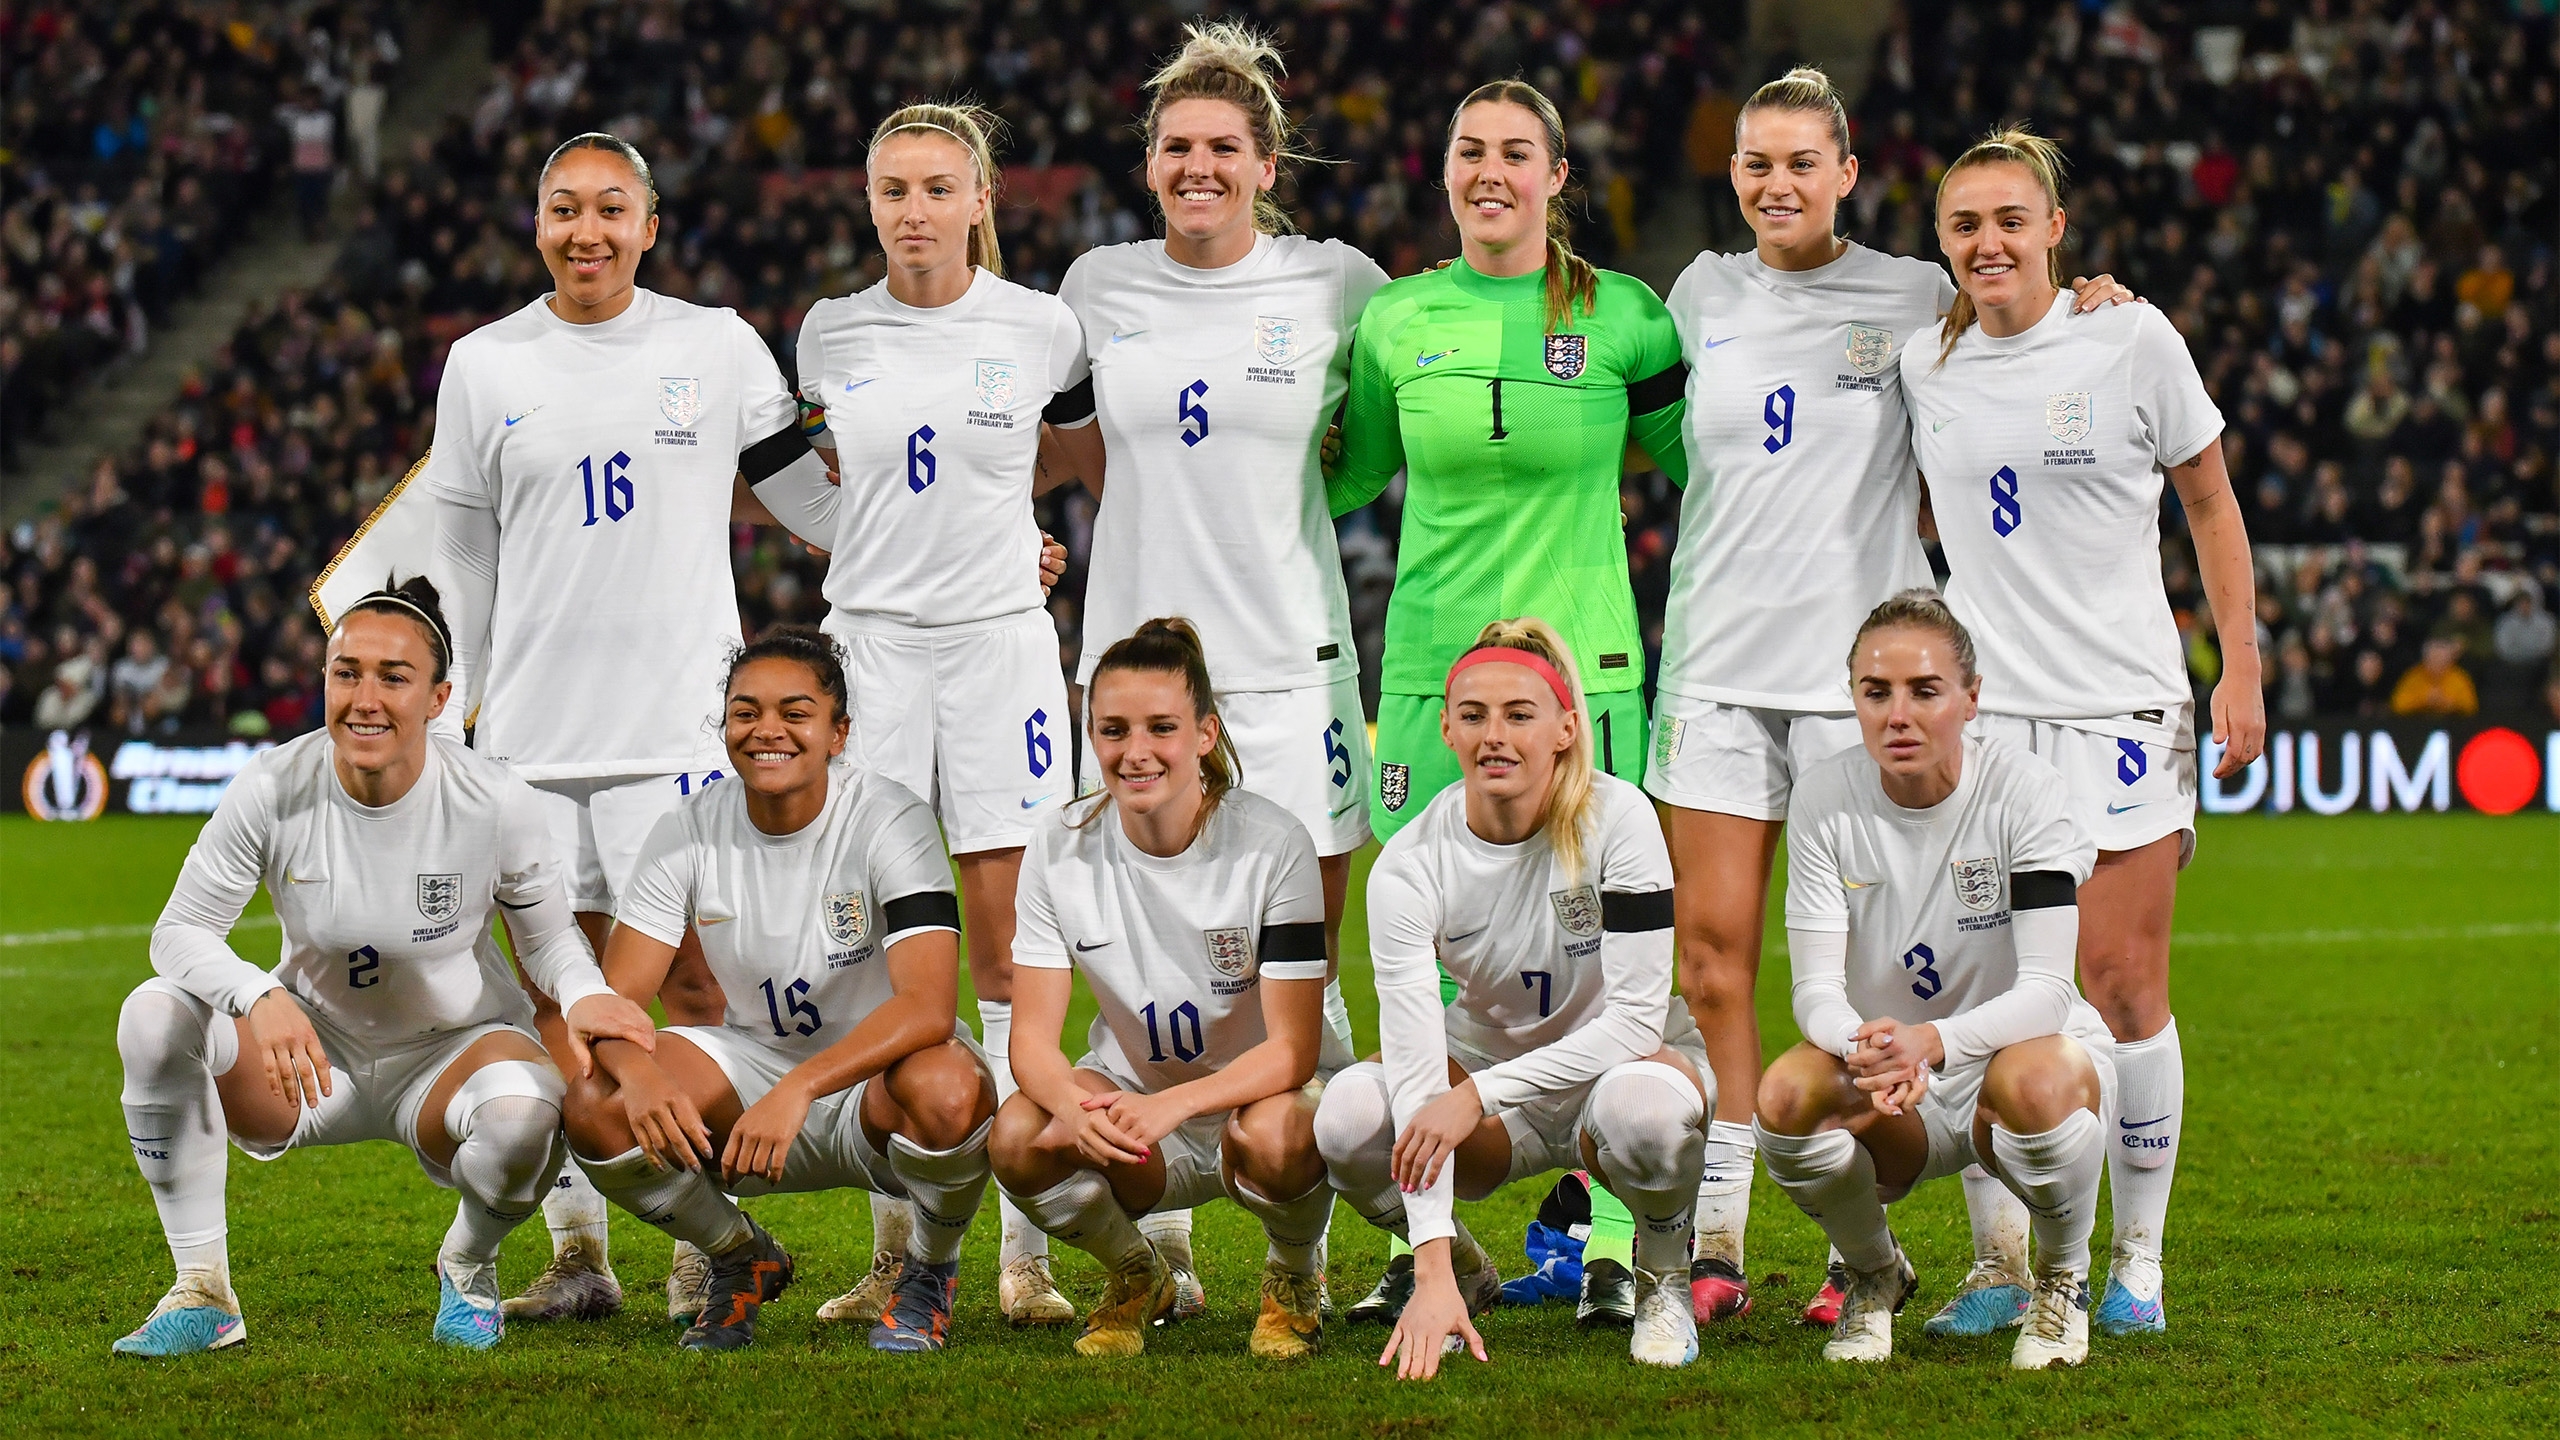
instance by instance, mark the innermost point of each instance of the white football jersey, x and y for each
(797, 927)
(1172, 947)
(385, 910)
(1801, 512)
(1924, 894)
(610, 454)
(1557, 980)
(1215, 388)
(2044, 455)
(935, 415)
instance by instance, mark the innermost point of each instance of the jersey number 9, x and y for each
(1780, 411)
(1193, 415)
(618, 497)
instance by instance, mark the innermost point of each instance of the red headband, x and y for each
(1507, 655)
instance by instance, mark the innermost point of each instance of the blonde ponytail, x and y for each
(1806, 89)
(1222, 60)
(1569, 804)
(2012, 145)
(975, 127)
(1571, 282)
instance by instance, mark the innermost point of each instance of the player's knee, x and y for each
(1648, 1126)
(1715, 975)
(1013, 1143)
(157, 1031)
(591, 1113)
(2034, 1087)
(1355, 1123)
(943, 1095)
(1272, 1144)
(513, 1149)
(1796, 1092)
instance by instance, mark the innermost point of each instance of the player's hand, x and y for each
(1099, 1138)
(2239, 721)
(1435, 1135)
(2091, 294)
(1053, 562)
(664, 1119)
(289, 1049)
(1891, 1062)
(1144, 1119)
(607, 1017)
(1433, 1320)
(1329, 449)
(761, 1140)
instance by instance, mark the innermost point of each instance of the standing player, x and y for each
(1930, 923)
(1194, 913)
(590, 450)
(824, 899)
(1507, 387)
(1801, 512)
(386, 852)
(953, 660)
(2046, 442)
(1544, 889)
(1219, 355)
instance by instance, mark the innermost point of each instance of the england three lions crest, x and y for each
(1870, 346)
(1578, 910)
(2067, 416)
(439, 897)
(846, 919)
(1230, 951)
(680, 400)
(1275, 339)
(1395, 784)
(995, 385)
(1978, 883)
(1567, 354)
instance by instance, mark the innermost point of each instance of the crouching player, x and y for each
(1195, 912)
(393, 1015)
(823, 898)
(1545, 889)
(1931, 922)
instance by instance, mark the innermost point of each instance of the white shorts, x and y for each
(376, 1088)
(2126, 793)
(1546, 1133)
(599, 823)
(975, 723)
(831, 1152)
(1305, 750)
(1738, 759)
(1946, 1108)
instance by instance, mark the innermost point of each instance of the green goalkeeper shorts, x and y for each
(1414, 764)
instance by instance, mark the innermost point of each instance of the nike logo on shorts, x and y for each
(852, 385)
(1119, 335)
(1082, 947)
(2120, 809)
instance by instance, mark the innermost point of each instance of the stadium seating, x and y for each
(2377, 317)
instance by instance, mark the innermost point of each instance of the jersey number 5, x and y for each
(1193, 415)
(618, 497)
(364, 968)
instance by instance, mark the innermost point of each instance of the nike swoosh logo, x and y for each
(2120, 809)
(1035, 802)
(292, 879)
(2145, 1125)
(510, 904)
(1423, 360)
(852, 385)
(1119, 335)
(1336, 812)
(512, 419)
(1860, 884)
(1098, 944)
(1712, 344)
(1937, 425)
(1470, 935)
(701, 920)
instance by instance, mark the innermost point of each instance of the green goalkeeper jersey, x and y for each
(1512, 440)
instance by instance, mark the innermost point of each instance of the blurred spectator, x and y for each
(2437, 684)
(68, 699)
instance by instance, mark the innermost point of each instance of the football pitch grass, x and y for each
(2363, 1237)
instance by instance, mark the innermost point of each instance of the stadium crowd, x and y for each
(2375, 312)
(140, 139)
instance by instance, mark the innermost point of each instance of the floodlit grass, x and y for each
(2363, 1239)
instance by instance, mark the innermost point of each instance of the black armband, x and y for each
(773, 454)
(924, 910)
(2042, 890)
(1646, 396)
(1301, 940)
(1633, 911)
(1071, 406)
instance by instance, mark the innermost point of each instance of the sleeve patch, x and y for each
(924, 910)
(1628, 911)
(1301, 940)
(2042, 890)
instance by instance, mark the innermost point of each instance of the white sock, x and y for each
(1170, 1232)
(1833, 1180)
(945, 1187)
(2056, 1174)
(1724, 1191)
(574, 1210)
(1294, 1227)
(1999, 1222)
(173, 1047)
(510, 1147)
(1082, 1211)
(2151, 1100)
(683, 1203)
(893, 1224)
(1356, 1134)
(1648, 1125)
(1334, 1050)
(1022, 1238)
